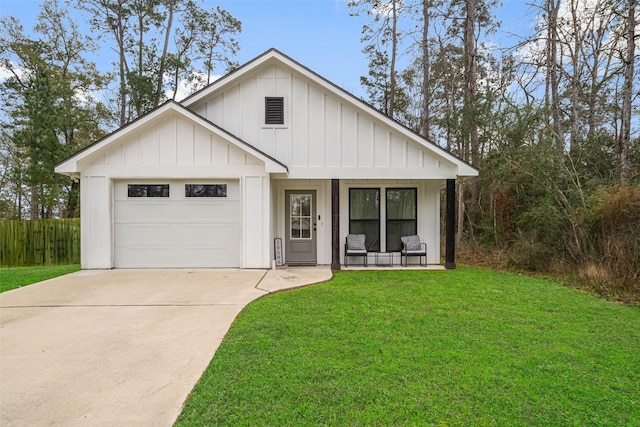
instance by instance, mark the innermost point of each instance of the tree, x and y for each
(380, 35)
(154, 53)
(49, 111)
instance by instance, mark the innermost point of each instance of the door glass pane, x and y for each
(300, 208)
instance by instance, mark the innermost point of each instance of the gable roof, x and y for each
(275, 56)
(69, 166)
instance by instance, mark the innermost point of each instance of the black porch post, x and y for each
(450, 226)
(335, 224)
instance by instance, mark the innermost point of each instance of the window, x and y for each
(148, 190)
(274, 110)
(300, 208)
(401, 216)
(205, 190)
(364, 215)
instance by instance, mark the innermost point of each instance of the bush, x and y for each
(615, 218)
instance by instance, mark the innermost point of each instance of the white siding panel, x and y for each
(150, 146)
(381, 146)
(185, 142)
(300, 123)
(250, 110)
(398, 152)
(267, 141)
(236, 156)
(132, 151)
(114, 156)
(202, 146)
(349, 137)
(96, 222)
(254, 231)
(365, 142)
(215, 110)
(316, 128)
(233, 110)
(219, 152)
(332, 126)
(167, 141)
(414, 156)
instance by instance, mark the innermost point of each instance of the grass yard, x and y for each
(11, 278)
(467, 347)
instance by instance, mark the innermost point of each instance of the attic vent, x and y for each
(274, 110)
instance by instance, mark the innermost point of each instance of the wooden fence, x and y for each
(39, 242)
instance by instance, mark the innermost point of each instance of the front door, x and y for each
(300, 240)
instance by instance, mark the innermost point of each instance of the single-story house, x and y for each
(272, 152)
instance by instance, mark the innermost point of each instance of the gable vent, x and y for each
(274, 110)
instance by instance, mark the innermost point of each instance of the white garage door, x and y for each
(177, 224)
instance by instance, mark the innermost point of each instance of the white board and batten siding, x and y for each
(177, 231)
(323, 135)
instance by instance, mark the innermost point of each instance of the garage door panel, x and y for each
(223, 210)
(142, 234)
(224, 233)
(177, 231)
(142, 212)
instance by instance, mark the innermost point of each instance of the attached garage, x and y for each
(185, 223)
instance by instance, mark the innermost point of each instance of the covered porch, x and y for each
(312, 219)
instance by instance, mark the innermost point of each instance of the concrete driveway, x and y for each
(120, 347)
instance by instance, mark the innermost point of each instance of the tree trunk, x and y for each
(425, 123)
(163, 58)
(394, 50)
(624, 144)
(575, 78)
(72, 201)
(34, 208)
(553, 75)
(470, 101)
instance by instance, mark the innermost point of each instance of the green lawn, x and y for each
(446, 348)
(11, 278)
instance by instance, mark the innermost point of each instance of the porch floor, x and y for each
(431, 267)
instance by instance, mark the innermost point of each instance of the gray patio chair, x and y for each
(355, 246)
(411, 246)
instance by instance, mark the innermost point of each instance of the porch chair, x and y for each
(355, 246)
(411, 246)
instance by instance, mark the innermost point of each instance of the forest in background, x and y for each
(552, 122)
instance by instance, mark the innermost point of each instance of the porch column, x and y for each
(335, 224)
(450, 226)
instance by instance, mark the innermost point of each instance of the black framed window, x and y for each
(205, 190)
(402, 216)
(148, 190)
(364, 215)
(274, 110)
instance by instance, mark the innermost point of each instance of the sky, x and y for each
(319, 34)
